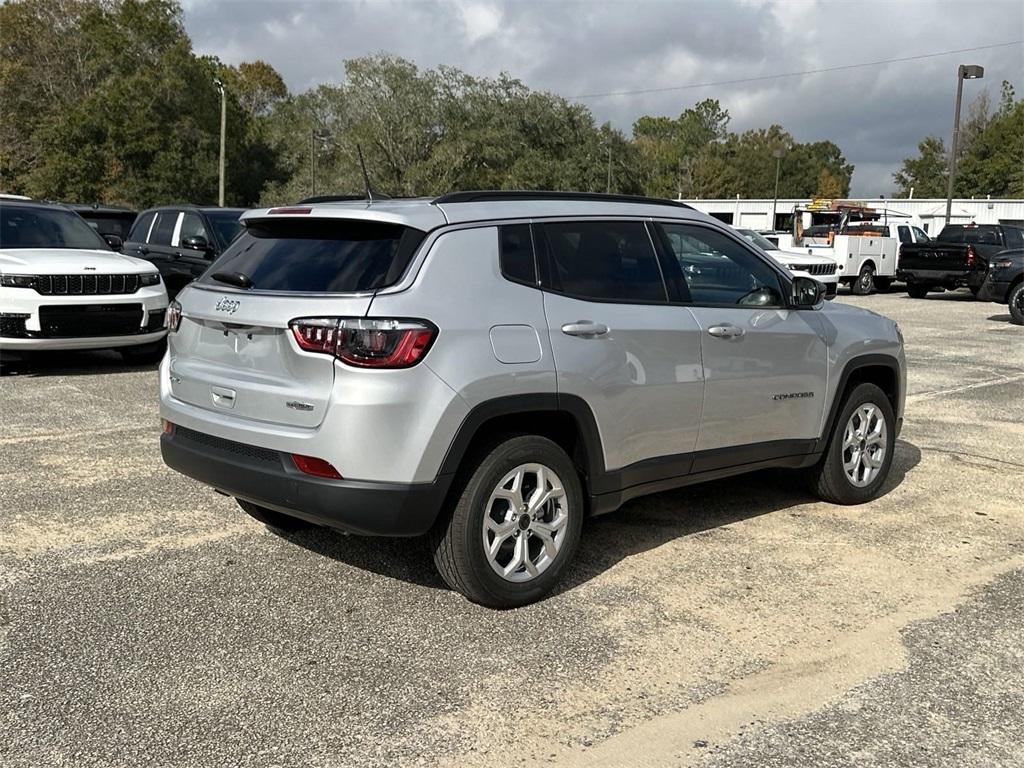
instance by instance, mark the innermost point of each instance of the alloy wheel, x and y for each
(865, 442)
(525, 522)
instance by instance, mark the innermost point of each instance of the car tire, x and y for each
(865, 282)
(856, 462)
(276, 521)
(144, 354)
(883, 284)
(496, 524)
(917, 290)
(1016, 303)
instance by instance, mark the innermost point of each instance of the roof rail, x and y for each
(498, 195)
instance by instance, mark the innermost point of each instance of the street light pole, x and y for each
(312, 161)
(223, 129)
(609, 186)
(963, 72)
(775, 201)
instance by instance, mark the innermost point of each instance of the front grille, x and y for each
(264, 455)
(86, 285)
(815, 269)
(88, 320)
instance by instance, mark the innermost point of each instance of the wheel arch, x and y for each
(566, 420)
(880, 370)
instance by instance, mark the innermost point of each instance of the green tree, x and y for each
(423, 132)
(744, 164)
(667, 148)
(104, 100)
(995, 164)
(925, 175)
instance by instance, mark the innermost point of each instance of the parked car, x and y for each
(958, 257)
(112, 223)
(488, 368)
(62, 287)
(1004, 283)
(182, 240)
(822, 269)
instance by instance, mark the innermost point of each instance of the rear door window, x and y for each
(904, 233)
(1014, 238)
(516, 254)
(603, 260)
(319, 255)
(163, 229)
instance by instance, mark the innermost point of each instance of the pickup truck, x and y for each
(859, 238)
(958, 257)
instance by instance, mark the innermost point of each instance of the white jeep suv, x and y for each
(62, 287)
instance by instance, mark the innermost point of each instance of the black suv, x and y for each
(182, 240)
(112, 223)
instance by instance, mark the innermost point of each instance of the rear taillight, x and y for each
(366, 343)
(173, 317)
(971, 256)
(310, 465)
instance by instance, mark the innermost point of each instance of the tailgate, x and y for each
(934, 256)
(235, 354)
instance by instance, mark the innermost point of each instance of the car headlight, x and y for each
(18, 281)
(153, 278)
(899, 332)
(1002, 264)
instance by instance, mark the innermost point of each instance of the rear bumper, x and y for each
(941, 277)
(270, 479)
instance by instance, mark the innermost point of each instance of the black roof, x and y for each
(192, 207)
(97, 208)
(496, 195)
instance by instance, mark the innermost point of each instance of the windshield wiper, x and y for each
(233, 278)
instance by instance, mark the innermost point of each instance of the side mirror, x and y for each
(196, 243)
(114, 241)
(808, 293)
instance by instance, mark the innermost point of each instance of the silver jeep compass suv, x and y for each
(489, 368)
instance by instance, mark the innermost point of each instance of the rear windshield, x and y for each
(319, 255)
(110, 223)
(958, 233)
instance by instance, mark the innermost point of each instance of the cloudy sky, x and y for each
(575, 48)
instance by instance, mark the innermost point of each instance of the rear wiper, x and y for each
(233, 278)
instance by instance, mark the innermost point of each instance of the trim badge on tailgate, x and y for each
(298, 406)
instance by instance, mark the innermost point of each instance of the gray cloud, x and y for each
(876, 115)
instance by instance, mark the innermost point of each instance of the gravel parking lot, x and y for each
(146, 620)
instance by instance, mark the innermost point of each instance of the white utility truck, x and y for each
(863, 241)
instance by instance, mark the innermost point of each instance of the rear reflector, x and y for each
(167, 427)
(318, 467)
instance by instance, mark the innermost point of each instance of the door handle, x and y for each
(726, 331)
(585, 328)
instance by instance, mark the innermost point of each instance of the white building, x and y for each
(927, 213)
